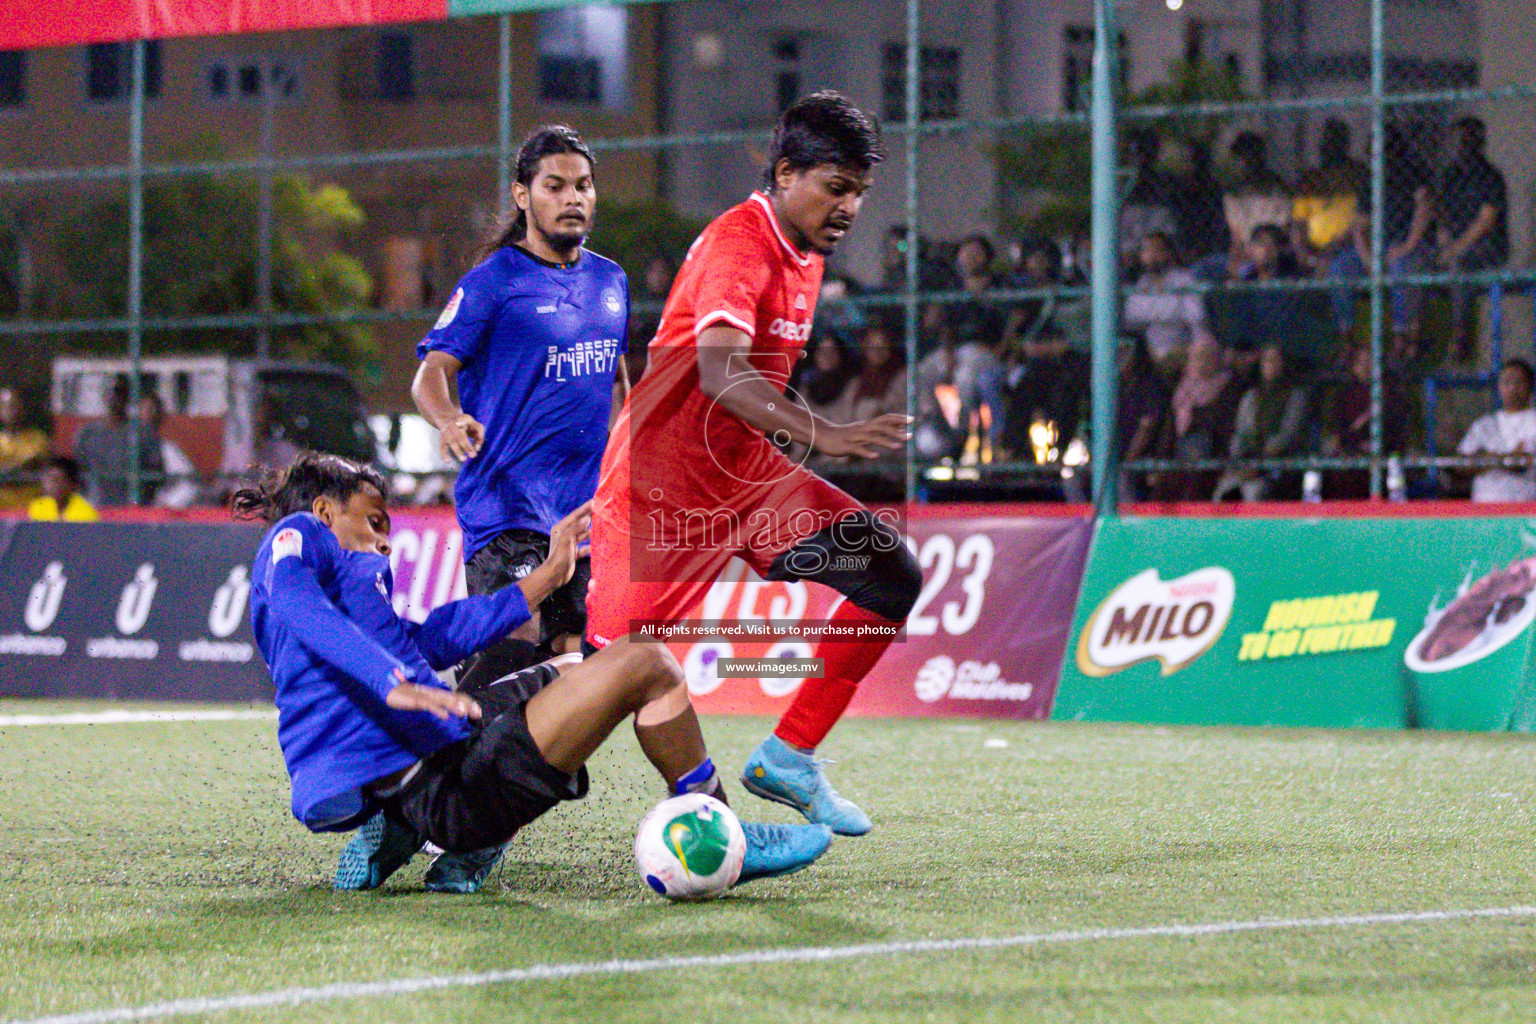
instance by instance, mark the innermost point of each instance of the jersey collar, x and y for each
(801, 258)
(549, 263)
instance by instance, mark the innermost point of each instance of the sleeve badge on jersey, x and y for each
(451, 310)
(287, 542)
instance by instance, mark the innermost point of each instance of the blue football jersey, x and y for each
(540, 345)
(333, 643)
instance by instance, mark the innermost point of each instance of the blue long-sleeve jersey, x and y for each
(324, 623)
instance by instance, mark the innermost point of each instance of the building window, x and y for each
(397, 66)
(251, 79)
(109, 70)
(13, 78)
(786, 55)
(939, 83)
(584, 56)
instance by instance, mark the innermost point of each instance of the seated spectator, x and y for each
(1406, 218)
(837, 312)
(1347, 425)
(22, 450)
(1143, 414)
(1473, 231)
(1256, 195)
(1204, 407)
(1271, 423)
(1162, 305)
(1046, 349)
(1327, 198)
(828, 372)
(61, 499)
(879, 386)
(1261, 317)
(180, 487)
(105, 452)
(1509, 431)
(970, 356)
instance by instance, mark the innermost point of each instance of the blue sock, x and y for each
(703, 779)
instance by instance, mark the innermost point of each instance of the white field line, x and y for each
(123, 717)
(289, 997)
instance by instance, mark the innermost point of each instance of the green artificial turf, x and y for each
(148, 862)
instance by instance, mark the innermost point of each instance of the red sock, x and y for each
(819, 703)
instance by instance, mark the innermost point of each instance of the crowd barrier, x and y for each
(1374, 616)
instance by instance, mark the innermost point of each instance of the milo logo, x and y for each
(1145, 617)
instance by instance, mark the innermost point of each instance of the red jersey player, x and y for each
(691, 477)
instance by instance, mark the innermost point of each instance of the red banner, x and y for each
(986, 637)
(25, 24)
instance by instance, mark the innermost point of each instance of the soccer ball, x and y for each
(690, 848)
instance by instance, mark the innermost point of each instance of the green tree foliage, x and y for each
(1046, 171)
(632, 234)
(200, 254)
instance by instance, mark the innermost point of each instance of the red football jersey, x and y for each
(671, 448)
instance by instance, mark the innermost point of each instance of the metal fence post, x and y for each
(1378, 234)
(909, 286)
(1106, 258)
(135, 261)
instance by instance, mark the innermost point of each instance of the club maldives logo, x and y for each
(1174, 621)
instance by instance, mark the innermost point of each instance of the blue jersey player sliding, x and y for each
(366, 727)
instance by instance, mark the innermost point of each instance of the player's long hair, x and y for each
(550, 140)
(825, 128)
(282, 492)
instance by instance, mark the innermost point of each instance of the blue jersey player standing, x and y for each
(374, 742)
(535, 337)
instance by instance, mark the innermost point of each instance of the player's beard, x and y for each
(561, 236)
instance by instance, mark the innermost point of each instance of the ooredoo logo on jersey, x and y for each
(1146, 618)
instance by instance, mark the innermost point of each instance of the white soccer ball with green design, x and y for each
(690, 848)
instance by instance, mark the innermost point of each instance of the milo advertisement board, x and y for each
(1326, 622)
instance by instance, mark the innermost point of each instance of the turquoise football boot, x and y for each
(462, 873)
(774, 850)
(776, 771)
(379, 849)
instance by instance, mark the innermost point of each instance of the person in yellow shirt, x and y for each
(61, 498)
(22, 449)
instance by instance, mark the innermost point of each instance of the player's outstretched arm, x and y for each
(458, 629)
(727, 377)
(460, 434)
(441, 703)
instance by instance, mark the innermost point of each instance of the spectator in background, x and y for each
(655, 286)
(1163, 305)
(1327, 199)
(837, 312)
(973, 333)
(1255, 195)
(1200, 225)
(933, 274)
(1143, 413)
(1473, 231)
(61, 499)
(272, 450)
(1204, 406)
(1511, 431)
(1046, 352)
(1262, 317)
(1347, 424)
(879, 386)
(105, 451)
(1147, 206)
(179, 489)
(826, 376)
(22, 450)
(1407, 213)
(1271, 424)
